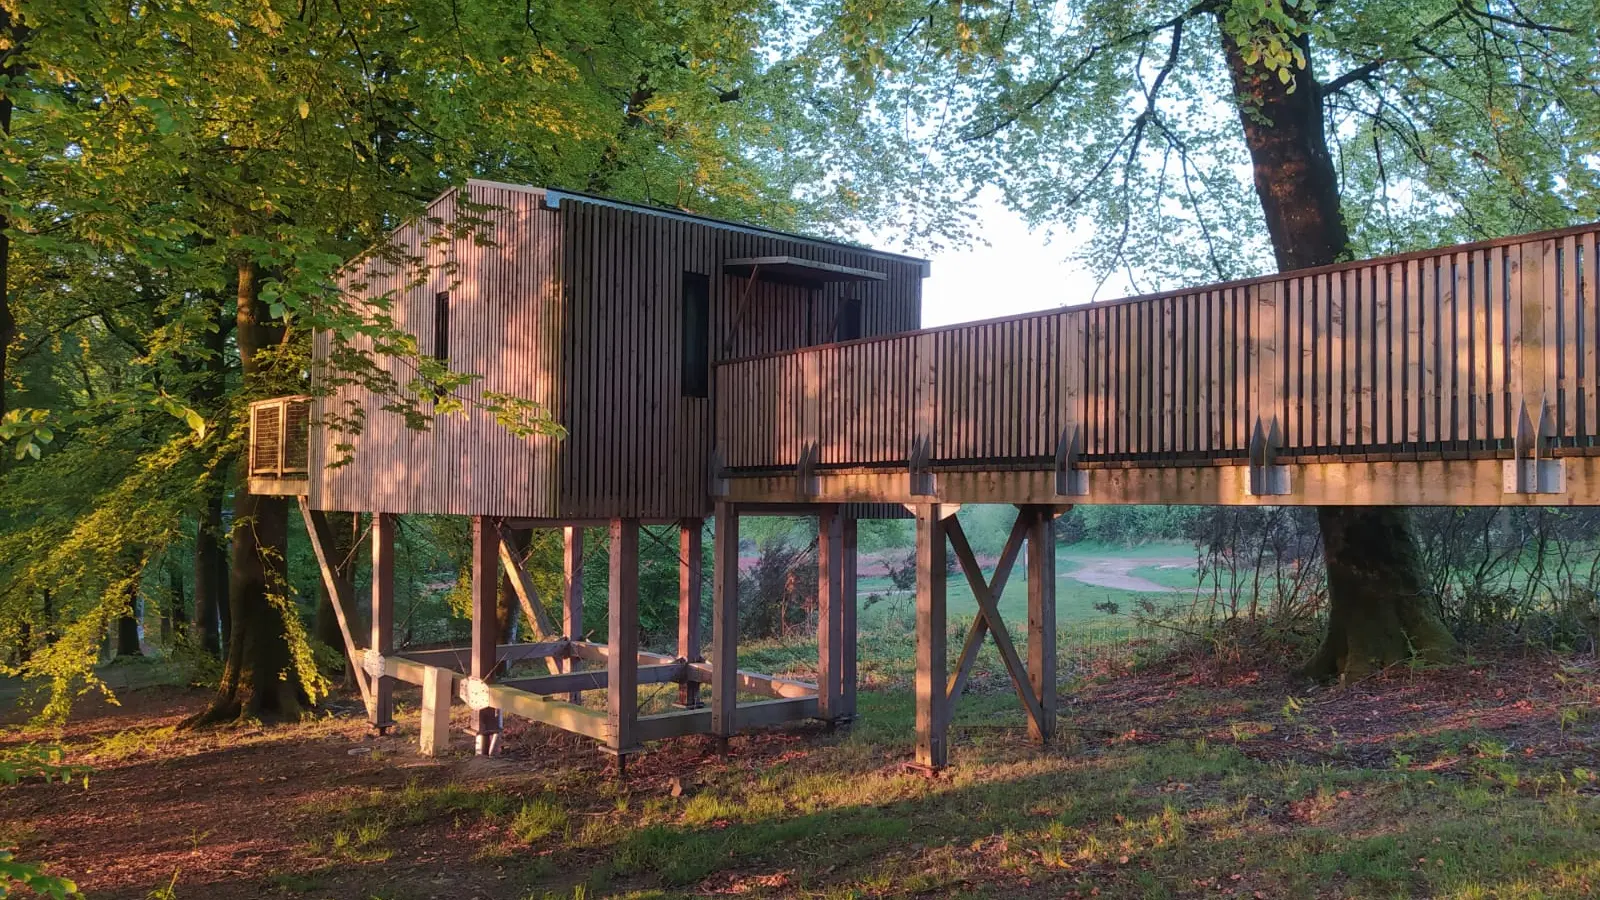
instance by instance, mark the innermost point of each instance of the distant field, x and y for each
(883, 606)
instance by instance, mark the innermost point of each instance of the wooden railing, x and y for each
(280, 431)
(1474, 350)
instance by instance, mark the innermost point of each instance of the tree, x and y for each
(182, 186)
(1447, 119)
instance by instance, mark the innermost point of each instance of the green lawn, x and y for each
(884, 607)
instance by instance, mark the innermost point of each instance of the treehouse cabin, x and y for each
(611, 317)
(702, 367)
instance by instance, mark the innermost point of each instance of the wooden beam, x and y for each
(592, 652)
(847, 618)
(622, 695)
(993, 589)
(438, 687)
(460, 658)
(674, 723)
(484, 658)
(383, 615)
(557, 713)
(690, 562)
(578, 682)
(830, 655)
(762, 713)
(932, 711)
(988, 609)
(1042, 622)
(725, 622)
(321, 539)
(527, 595)
(754, 682)
(572, 591)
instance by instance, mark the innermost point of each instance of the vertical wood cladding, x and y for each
(1435, 353)
(637, 445)
(505, 322)
(580, 308)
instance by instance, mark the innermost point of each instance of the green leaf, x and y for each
(304, 108)
(196, 423)
(33, 449)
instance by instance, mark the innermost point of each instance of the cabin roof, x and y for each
(554, 196)
(797, 270)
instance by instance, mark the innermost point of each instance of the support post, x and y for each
(933, 722)
(847, 618)
(1042, 621)
(830, 656)
(690, 559)
(485, 589)
(622, 641)
(437, 686)
(382, 618)
(725, 623)
(572, 593)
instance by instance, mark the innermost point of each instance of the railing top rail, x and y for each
(1352, 265)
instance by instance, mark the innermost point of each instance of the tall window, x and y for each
(441, 326)
(696, 335)
(848, 326)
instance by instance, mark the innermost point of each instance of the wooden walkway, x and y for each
(1465, 375)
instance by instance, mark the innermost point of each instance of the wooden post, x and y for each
(690, 558)
(1042, 620)
(830, 657)
(485, 588)
(725, 623)
(572, 593)
(932, 711)
(847, 617)
(437, 685)
(622, 642)
(383, 616)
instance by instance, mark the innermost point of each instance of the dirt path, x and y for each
(1113, 573)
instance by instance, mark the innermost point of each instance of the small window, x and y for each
(848, 326)
(696, 335)
(441, 326)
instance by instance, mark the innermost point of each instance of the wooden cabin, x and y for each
(610, 315)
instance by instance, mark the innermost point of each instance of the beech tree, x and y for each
(182, 183)
(1359, 127)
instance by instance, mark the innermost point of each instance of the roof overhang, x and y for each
(794, 270)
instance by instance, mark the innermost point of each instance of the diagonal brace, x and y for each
(321, 538)
(987, 595)
(526, 594)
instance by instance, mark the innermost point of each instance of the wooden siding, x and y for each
(1427, 355)
(505, 325)
(636, 445)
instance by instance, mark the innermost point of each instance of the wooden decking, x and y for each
(1464, 375)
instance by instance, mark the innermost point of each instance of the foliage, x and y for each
(32, 877)
(1446, 120)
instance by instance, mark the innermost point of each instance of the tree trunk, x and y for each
(11, 68)
(1378, 614)
(128, 627)
(210, 576)
(260, 680)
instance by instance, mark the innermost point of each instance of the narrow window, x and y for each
(848, 325)
(696, 335)
(441, 326)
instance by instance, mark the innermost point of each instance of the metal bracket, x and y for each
(374, 664)
(1535, 468)
(806, 470)
(1267, 477)
(1071, 481)
(920, 467)
(475, 693)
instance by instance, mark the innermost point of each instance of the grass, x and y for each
(883, 606)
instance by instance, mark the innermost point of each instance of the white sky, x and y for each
(1013, 271)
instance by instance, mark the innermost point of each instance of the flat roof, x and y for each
(554, 196)
(795, 270)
